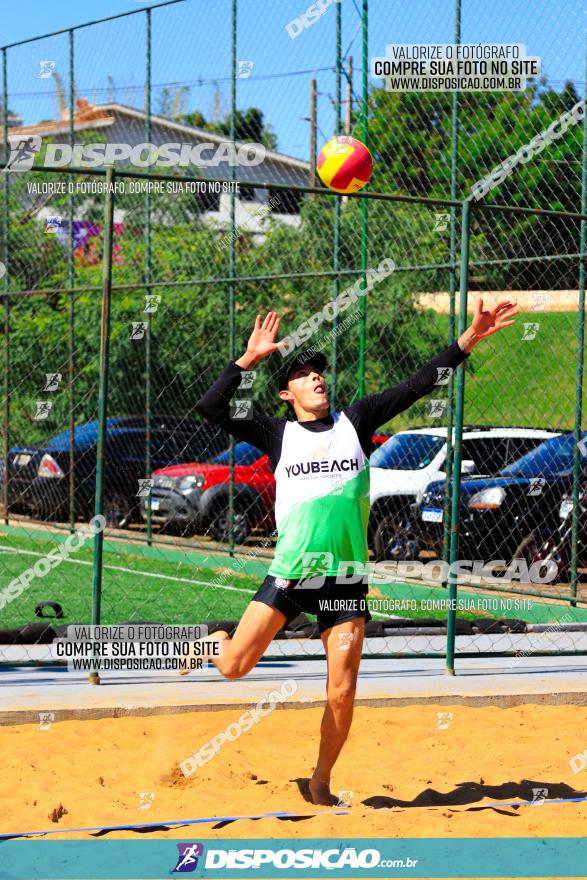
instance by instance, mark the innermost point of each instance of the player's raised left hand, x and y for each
(488, 321)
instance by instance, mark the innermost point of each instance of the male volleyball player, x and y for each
(320, 461)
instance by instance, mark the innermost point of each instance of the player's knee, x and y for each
(233, 668)
(341, 696)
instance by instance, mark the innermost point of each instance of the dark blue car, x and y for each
(39, 475)
(509, 515)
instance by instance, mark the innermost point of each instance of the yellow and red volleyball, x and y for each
(345, 165)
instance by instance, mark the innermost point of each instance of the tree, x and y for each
(249, 126)
(410, 135)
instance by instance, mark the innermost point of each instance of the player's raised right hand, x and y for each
(262, 340)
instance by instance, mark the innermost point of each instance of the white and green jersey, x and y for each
(321, 467)
(322, 497)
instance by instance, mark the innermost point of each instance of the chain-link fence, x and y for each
(122, 307)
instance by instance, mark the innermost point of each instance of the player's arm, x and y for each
(215, 405)
(375, 410)
(487, 322)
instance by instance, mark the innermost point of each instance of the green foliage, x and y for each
(249, 126)
(410, 136)
(190, 331)
(31, 254)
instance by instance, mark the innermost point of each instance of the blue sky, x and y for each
(191, 47)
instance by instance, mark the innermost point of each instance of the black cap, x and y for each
(310, 356)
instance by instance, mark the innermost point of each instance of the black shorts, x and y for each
(332, 603)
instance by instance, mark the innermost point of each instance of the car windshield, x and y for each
(244, 453)
(547, 460)
(407, 452)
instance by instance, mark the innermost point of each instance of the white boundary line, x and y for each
(167, 577)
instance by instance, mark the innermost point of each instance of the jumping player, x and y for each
(320, 461)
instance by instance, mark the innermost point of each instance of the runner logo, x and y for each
(47, 68)
(187, 860)
(22, 152)
(52, 224)
(316, 563)
(314, 567)
(345, 641)
(52, 383)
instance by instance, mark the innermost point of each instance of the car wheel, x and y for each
(219, 527)
(395, 539)
(116, 510)
(540, 553)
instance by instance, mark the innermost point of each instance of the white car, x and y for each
(402, 467)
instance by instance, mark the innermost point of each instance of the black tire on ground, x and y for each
(219, 526)
(117, 510)
(533, 549)
(395, 539)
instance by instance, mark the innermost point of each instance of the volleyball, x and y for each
(345, 165)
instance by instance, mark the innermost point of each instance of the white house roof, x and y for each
(103, 115)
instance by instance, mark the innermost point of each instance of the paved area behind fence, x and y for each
(503, 681)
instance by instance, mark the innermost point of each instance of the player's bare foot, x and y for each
(218, 636)
(321, 794)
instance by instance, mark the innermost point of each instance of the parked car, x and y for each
(38, 475)
(412, 459)
(510, 515)
(193, 497)
(555, 551)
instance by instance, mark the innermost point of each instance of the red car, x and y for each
(194, 497)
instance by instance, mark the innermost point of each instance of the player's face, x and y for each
(309, 388)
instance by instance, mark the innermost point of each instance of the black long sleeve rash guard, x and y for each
(366, 415)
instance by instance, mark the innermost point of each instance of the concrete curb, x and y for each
(13, 717)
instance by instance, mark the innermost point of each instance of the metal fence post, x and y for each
(456, 476)
(337, 199)
(6, 245)
(452, 290)
(71, 302)
(579, 374)
(147, 208)
(232, 258)
(364, 202)
(102, 400)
